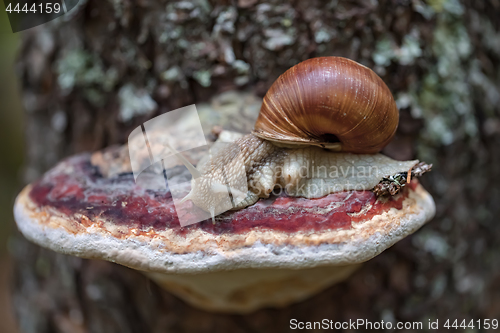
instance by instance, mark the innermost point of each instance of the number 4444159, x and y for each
(479, 324)
(46, 7)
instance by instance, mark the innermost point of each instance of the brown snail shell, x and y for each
(331, 102)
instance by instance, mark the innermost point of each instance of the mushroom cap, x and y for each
(74, 210)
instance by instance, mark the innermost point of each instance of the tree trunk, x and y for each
(95, 74)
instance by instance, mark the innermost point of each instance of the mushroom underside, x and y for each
(246, 290)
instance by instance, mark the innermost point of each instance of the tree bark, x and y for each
(95, 74)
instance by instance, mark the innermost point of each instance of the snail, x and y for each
(321, 112)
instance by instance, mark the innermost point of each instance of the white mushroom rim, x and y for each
(200, 251)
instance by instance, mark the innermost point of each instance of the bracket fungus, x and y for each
(277, 249)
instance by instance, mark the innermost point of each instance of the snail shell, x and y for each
(331, 102)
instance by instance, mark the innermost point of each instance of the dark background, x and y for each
(11, 157)
(440, 58)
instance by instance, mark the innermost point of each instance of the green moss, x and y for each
(443, 98)
(203, 77)
(384, 52)
(134, 101)
(322, 36)
(286, 22)
(432, 242)
(387, 51)
(80, 69)
(410, 50)
(436, 5)
(172, 74)
(243, 71)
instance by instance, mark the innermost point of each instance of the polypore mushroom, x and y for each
(274, 249)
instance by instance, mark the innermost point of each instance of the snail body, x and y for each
(309, 172)
(311, 113)
(259, 158)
